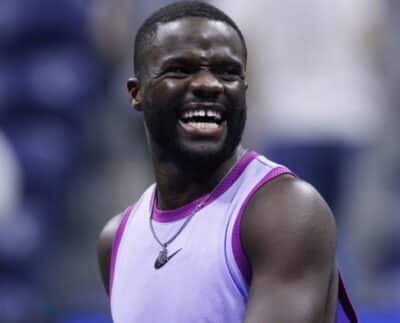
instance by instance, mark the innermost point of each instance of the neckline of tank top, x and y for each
(165, 216)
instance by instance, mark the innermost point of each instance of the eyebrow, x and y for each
(177, 60)
(217, 60)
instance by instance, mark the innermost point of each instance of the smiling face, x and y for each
(192, 90)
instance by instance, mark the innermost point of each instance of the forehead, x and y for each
(196, 35)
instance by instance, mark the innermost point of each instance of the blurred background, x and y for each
(324, 99)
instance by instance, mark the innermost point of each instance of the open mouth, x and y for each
(202, 119)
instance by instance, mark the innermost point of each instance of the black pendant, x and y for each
(162, 259)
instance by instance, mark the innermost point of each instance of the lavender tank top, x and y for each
(207, 280)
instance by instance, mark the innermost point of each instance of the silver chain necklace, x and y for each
(163, 257)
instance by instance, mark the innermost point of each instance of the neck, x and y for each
(177, 186)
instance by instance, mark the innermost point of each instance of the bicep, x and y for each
(289, 235)
(303, 299)
(104, 249)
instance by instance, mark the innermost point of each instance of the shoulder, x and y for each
(288, 234)
(106, 236)
(104, 247)
(287, 215)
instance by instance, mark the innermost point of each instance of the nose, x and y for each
(205, 85)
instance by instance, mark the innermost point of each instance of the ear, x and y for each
(135, 92)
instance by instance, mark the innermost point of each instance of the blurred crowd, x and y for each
(324, 99)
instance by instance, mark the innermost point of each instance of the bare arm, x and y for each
(288, 233)
(104, 248)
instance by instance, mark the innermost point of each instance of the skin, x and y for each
(287, 231)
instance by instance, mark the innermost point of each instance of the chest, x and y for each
(196, 274)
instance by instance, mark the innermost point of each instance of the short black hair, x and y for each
(175, 11)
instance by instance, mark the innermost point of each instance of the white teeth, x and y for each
(215, 114)
(203, 125)
(187, 114)
(202, 113)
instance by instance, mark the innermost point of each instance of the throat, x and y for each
(168, 200)
(176, 188)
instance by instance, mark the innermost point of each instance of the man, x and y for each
(224, 235)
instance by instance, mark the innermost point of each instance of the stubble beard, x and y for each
(163, 139)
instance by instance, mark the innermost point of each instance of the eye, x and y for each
(229, 73)
(177, 71)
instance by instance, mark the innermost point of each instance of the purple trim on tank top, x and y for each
(116, 243)
(345, 302)
(341, 316)
(173, 215)
(184, 211)
(238, 251)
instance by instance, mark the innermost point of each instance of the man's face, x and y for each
(193, 90)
